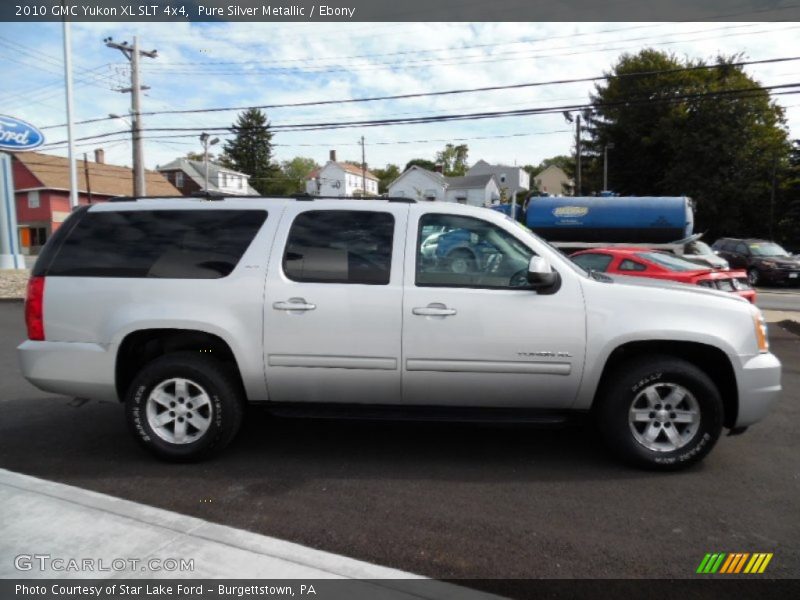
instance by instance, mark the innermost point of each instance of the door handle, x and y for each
(434, 310)
(298, 304)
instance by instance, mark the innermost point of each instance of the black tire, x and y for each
(462, 262)
(225, 410)
(630, 384)
(753, 277)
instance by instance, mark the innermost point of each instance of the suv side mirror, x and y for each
(541, 275)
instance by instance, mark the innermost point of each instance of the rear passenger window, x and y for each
(340, 246)
(168, 244)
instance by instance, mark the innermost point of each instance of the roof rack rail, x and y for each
(217, 196)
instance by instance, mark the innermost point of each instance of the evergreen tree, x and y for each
(250, 151)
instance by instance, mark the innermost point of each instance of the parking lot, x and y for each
(440, 500)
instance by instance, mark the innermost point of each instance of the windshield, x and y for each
(698, 248)
(673, 263)
(767, 249)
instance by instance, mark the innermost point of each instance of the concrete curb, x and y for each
(231, 553)
(61, 521)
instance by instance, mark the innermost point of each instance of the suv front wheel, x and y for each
(661, 413)
(184, 407)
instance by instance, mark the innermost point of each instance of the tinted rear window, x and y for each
(170, 244)
(340, 246)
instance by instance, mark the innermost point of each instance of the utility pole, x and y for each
(73, 168)
(86, 174)
(605, 165)
(204, 137)
(132, 53)
(363, 170)
(772, 195)
(578, 187)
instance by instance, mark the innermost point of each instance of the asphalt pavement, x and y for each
(439, 500)
(778, 298)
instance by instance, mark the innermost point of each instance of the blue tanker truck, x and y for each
(576, 222)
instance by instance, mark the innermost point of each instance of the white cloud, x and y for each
(231, 64)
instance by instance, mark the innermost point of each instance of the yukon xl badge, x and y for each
(546, 354)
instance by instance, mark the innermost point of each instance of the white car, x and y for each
(185, 309)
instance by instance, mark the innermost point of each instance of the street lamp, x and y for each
(605, 165)
(204, 137)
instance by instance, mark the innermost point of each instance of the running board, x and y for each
(365, 412)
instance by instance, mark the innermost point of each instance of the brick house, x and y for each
(41, 191)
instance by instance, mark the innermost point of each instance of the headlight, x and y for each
(761, 331)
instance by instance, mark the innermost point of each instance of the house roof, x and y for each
(195, 169)
(352, 169)
(437, 177)
(106, 180)
(469, 181)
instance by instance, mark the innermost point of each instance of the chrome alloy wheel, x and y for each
(664, 417)
(179, 411)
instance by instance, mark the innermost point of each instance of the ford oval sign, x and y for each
(18, 135)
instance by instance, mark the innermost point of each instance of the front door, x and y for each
(474, 333)
(333, 302)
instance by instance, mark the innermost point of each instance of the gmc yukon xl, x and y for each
(186, 309)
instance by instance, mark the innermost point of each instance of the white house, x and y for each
(421, 184)
(341, 179)
(554, 181)
(189, 177)
(508, 178)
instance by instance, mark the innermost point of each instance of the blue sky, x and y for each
(203, 65)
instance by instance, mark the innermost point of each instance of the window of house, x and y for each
(179, 179)
(33, 199)
(340, 246)
(461, 199)
(223, 178)
(456, 251)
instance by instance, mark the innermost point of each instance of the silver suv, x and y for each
(186, 309)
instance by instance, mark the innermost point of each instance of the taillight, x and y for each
(34, 309)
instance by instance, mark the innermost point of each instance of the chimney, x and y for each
(99, 156)
(333, 155)
(439, 168)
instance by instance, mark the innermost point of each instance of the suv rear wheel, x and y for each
(184, 407)
(661, 413)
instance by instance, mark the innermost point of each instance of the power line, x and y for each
(741, 93)
(449, 92)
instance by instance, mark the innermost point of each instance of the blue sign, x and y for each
(18, 135)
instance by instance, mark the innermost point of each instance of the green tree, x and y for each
(250, 151)
(386, 176)
(200, 156)
(787, 204)
(670, 137)
(423, 163)
(453, 159)
(294, 173)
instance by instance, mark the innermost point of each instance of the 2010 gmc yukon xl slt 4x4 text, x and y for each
(185, 309)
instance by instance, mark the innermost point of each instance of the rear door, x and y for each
(333, 300)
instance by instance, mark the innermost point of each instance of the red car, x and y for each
(642, 262)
